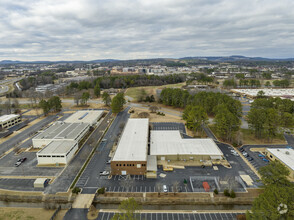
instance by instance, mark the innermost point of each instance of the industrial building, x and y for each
(85, 116)
(131, 153)
(8, 121)
(284, 155)
(57, 152)
(170, 146)
(61, 131)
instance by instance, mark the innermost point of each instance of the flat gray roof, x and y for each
(85, 116)
(151, 163)
(58, 147)
(171, 143)
(285, 155)
(133, 143)
(62, 130)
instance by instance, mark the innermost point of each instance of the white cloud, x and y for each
(128, 29)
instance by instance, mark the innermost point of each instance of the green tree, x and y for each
(260, 94)
(117, 103)
(277, 190)
(287, 120)
(275, 173)
(267, 84)
(240, 76)
(55, 103)
(267, 75)
(106, 98)
(127, 210)
(195, 118)
(44, 105)
(85, 97)
(271, 123)
(256, 119)
(97, 90)
(226, 123)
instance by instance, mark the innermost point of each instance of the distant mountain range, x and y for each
(210, 58)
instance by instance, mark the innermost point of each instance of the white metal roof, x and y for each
(5, 118)
(267, 91)
(133, 143)
(283, 156)
(85, 116)
(62, 130)
(57, 147)
(171, 143)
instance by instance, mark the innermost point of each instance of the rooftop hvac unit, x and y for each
(287, 152)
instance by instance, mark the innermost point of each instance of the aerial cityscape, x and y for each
(147, 110)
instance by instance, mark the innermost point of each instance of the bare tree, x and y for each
(78, 98)
(158, 188)
(7, 106)
(144, 115)
(175, 187)
(153, 109)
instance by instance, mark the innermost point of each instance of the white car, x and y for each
(164, 187)
(104, 173)
(245, 154)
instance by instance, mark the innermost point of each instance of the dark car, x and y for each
(23, 159)
(241, 149)
(250, 158)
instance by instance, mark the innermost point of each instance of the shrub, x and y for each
(76, 190)
(233, 194)
(215, 191)
(101, 190)
(226, 192)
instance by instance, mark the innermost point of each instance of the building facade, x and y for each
(8, 121)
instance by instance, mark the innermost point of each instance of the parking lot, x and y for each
(175, 216)
(19, 184)
(169, 126)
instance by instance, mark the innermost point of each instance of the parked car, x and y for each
(236, 154)
(245, 154)
(261, 155)
(289, 147)
(164, 187)
(242, 149)
(17, 163)
(264, 159)
(108, 162)
(23, 159)
(104, 173)
(250, 158)
(19, 160)
(104, 140)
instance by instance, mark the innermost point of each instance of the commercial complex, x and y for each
(57, 152)
(131, 153)
(284, 155)
(8, 121)
(60, 141)
(85, 116)
(169, 145)
(61, 131)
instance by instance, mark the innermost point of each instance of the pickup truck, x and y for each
(104, 173)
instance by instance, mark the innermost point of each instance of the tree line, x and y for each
(107, 82)
(267, 115)
(225, 110)
(52, 104)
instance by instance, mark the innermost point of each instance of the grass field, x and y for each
(249, 137)
(8, 213)
(134, 92)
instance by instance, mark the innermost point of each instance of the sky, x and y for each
(33, 30)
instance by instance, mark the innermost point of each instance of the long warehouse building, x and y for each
(169, 145)
(85, 116)
(130, 157)
(61, 131)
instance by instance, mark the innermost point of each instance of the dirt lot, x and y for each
(25, 213)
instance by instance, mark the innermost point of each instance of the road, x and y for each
(12, 142)
(89, 180)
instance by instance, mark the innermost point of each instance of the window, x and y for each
(117, 165)
(124, 165)
(120, 165)
(133, 165)
(271, 156)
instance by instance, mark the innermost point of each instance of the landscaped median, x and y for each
(155, 198)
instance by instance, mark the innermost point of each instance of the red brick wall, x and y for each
(129, 166)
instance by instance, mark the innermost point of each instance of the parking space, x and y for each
(148, 188)
(18, 184)
(169, 126)
(175, 216)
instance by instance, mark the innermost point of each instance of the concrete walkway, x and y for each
(83, 201)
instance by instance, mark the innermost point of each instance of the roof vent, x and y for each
(287, 152)
(278, 149)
